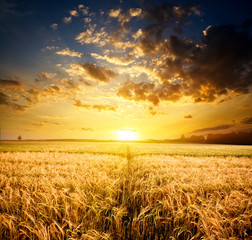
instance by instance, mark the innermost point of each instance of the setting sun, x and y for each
(126, 135)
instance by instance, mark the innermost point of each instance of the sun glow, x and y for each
(126, 135)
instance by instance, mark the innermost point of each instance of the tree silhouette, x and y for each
(19, 137)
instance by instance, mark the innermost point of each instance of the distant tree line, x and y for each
(192, 139)
(231, 138)
(228, 138)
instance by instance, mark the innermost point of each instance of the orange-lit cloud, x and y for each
(74, 13)
(247, 120)
(85, 82)
(124, 61)
(67, 20)
(98, 107)
(68, 52)
(7, 101)
(210, 129)
(98, 73)
(114, 13)
(54, 26)
(44, 76)
(138, 92)
(205, 71)
(9, 83)
(87, 20)
(99, 37)
(87, 129)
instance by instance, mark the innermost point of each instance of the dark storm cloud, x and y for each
(7, 8)
(218, 65)
(98, 73)
(167, 13)
(98, 107)
(220, 127)
(151, 39)
(224, 60)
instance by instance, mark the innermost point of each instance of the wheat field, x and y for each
(61, 195)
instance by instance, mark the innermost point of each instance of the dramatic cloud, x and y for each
(44, 76)
(98, 37)
(64, 89)
(114, 13)
(154, 112)
(123, 61)
(124, 18)
(174, 15)
(74, 13)
(50, 48)
(67, 20)
(68, 52)
(219, 65)
(52, 89)
(247, 120)
(97, 107)
(146, 91)
(5, 100)
(85, 82)
(134, 12)
(139, 91)
(8, 8)
(220, 127)
(54, 26)
(81, 6)
(87, 129)
(70, 84)
(188, 116)
(84, 10)
(10, 83)
(87, 20)
(98, 73)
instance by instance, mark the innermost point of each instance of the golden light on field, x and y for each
(126, 135)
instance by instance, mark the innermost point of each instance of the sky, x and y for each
(120, 69)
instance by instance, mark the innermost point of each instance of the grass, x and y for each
(120, 148)
(61, 195)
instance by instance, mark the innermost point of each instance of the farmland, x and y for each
(79, 190)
